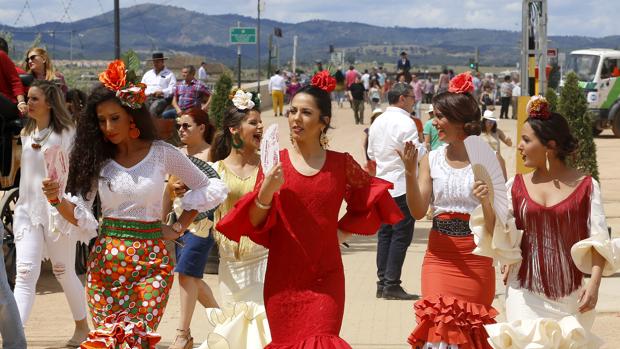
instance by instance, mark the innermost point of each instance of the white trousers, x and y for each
(30, 247)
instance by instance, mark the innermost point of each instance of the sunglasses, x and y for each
(31, 58)
(184, 126)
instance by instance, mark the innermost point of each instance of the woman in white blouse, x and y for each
(49, 126)
(556, 233)
(116, 155)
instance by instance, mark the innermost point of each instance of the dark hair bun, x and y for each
(472, 128)
(555, 128)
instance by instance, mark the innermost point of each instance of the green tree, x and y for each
(574, 107)
(552, 98)
(220, 101)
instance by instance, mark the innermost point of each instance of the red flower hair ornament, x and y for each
(538, 108)
(115, 79)
(324, 81)
(462, 83)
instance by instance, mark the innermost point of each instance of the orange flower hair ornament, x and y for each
(538, 108)
(462, 83)
(115, 79)
(324, 80)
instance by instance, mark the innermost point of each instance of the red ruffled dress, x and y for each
(304, 284)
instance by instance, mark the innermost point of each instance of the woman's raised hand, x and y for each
(409, 156)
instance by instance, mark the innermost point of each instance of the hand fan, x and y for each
(269, 149)
(57, 166)
(487, 168)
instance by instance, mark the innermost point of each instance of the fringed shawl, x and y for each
(548, 235)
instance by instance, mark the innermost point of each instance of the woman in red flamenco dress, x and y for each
(293, 211)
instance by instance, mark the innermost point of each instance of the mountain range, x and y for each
(148, 28)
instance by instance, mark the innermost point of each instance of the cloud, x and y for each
(566, 17)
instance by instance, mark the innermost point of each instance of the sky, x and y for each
(566, 17)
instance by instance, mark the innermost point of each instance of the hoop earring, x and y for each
(547, 165)
(134, 132)
(324, 141)
(237, 142)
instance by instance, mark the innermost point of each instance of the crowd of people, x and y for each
(278, 230)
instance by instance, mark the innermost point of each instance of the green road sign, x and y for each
(243, 35)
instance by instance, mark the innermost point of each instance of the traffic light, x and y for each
(473, 65)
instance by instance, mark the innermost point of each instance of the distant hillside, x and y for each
(148, 27)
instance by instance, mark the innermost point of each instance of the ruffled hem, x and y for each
(205, 198)
(244, 325)
(582, 254)
(119, 332)
(504, 245)
(566, 333)
(450, 320)
(315, 342)
(367, 210)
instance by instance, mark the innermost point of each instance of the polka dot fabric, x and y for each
(129, 275)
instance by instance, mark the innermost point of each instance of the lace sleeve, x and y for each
(87, 223)
(204, 194)
(369, 203)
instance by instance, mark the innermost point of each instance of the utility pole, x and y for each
(533, 46)
(294, 65)
(270, 47)
(238, 61)
(258, 48)
(117, 30)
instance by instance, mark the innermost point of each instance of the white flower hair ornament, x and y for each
(243, 100)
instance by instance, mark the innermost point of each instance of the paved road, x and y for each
(368, 323)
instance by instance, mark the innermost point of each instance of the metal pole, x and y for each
(238, 61)
(542, 30)
(117, 30)
(258, 48)
(525, 48)
(71, 47)
(270, 46)
(294, 65)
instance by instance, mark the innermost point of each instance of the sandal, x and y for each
(183, 340)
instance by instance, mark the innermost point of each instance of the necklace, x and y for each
(40, 139)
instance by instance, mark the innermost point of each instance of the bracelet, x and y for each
(54, 202)
(261, 206)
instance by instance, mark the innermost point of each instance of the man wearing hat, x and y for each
(159, 81)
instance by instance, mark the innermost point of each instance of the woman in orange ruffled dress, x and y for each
(457, 286)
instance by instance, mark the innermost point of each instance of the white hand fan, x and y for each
(270, 149)
(487, 168)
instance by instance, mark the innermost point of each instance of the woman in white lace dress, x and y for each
(116, 155)
(36, 234)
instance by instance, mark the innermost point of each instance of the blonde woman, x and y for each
(39, 64)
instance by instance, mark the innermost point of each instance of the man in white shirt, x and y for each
(277, 88)
(388, 133)
(159, 81)
(202, 72)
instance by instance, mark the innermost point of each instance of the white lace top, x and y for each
(136, 193)
(452, 188)
(32, 207)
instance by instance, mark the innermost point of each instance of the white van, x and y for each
(598, 71)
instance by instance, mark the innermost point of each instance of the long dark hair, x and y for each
(90, 149)
(77, 102)
(460, 108)
(200, 117)
(555, 128)
(223, 139)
